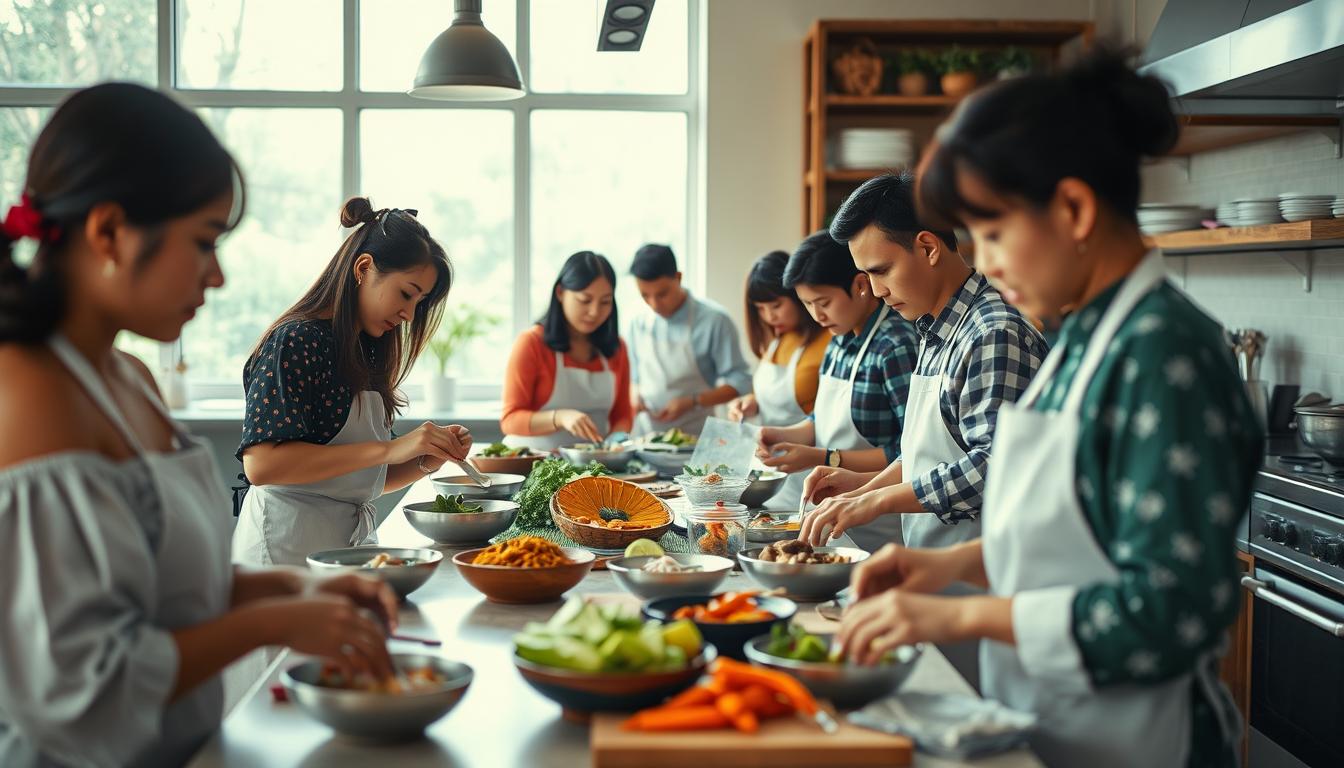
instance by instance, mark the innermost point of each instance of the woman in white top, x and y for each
(121, 606)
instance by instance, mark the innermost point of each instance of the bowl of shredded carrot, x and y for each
(528, 569)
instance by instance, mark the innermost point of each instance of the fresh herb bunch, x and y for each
(454, 505)
(547, 477)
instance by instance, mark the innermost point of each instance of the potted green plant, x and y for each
(1013, 61)
(460, 326)
(958, 67)
(912, 67)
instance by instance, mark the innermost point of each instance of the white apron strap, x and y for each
(97, 390)
(854, 369)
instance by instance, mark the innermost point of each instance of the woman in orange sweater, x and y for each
(568, 375)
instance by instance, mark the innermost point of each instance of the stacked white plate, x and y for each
(1299, 207)
(1156, 218)
(865, 148)
(1338, 208)
(1249, 212)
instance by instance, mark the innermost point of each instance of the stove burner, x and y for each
(1313, 467)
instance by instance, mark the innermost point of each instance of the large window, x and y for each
(310, 97)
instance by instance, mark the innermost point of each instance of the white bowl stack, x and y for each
(1300, 207)
(1250, 212)
(1156, 218)
(875, 148)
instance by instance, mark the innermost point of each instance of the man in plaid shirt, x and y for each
(976, 354)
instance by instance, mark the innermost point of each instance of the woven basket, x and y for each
(587, 495)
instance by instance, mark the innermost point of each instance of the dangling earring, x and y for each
(109, 268)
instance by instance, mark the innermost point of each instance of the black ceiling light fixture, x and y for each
(623, 24)
(467, 63)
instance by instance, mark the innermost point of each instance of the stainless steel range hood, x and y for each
(1251, 57)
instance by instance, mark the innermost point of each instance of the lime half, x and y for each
(644, 548)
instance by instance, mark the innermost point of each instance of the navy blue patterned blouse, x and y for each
(293, 390)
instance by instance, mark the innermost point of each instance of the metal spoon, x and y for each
(475, 475)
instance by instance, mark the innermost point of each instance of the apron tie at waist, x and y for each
(367, 522)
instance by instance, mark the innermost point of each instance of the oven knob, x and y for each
(1274, 530)
(1289, 536)
(1334, 553)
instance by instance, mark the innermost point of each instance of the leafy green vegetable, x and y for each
(609, 514)
(547, 477)
(701, 471)
(454, 505)
(797, 644)
(502, 451)
(673, 436)
(590, 638)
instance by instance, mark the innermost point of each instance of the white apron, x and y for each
(593, 392)
(835, 430)
(926, 442)
(1036, 536)
(283, 524)
(667, 370)
(195, 578)
(777, 406)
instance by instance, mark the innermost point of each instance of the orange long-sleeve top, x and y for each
(530, 379)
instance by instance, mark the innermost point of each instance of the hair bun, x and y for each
(1140, 105)
(356, 211)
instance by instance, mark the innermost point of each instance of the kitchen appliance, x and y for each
(1296, 534)
(1248, 346)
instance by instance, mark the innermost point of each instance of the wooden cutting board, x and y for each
(778, 744)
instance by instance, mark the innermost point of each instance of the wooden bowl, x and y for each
(521, 586)
(509, 465)
(584, 499)
(581, 693)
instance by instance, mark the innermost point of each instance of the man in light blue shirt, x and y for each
(684, 354)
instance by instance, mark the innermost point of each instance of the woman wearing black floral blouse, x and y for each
(322, 393)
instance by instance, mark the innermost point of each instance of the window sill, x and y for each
(470, 413)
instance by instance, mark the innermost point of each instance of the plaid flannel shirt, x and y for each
(990, 361)
(882, 384)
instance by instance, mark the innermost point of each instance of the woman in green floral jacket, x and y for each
(1117, 479)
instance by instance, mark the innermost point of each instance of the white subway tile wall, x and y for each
(1262, 290)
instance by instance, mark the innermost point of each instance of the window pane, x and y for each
(395, 33)
(291, 160)
(293, 45)
(465, 199)
(565, 58)
(587, 197)
(78, 43)
(19, 127)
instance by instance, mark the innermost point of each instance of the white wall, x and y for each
(753, 117)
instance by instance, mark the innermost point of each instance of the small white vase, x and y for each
(441, 393)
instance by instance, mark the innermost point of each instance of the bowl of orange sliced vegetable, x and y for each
(734, 695)
(727, 620)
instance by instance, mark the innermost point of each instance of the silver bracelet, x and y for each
(420, 462)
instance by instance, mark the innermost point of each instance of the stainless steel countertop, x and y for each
(501, 721)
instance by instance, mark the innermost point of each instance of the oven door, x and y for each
(1297, 672)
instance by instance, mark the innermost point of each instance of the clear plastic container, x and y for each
(718, 530)
(703, 494)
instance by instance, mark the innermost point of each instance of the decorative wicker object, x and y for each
(858, 71)
(577, 510)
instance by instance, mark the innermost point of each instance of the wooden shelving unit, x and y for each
(1312, 235)
(1294, 242)
(827, 111)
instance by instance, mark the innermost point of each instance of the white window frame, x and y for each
(350, 100)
